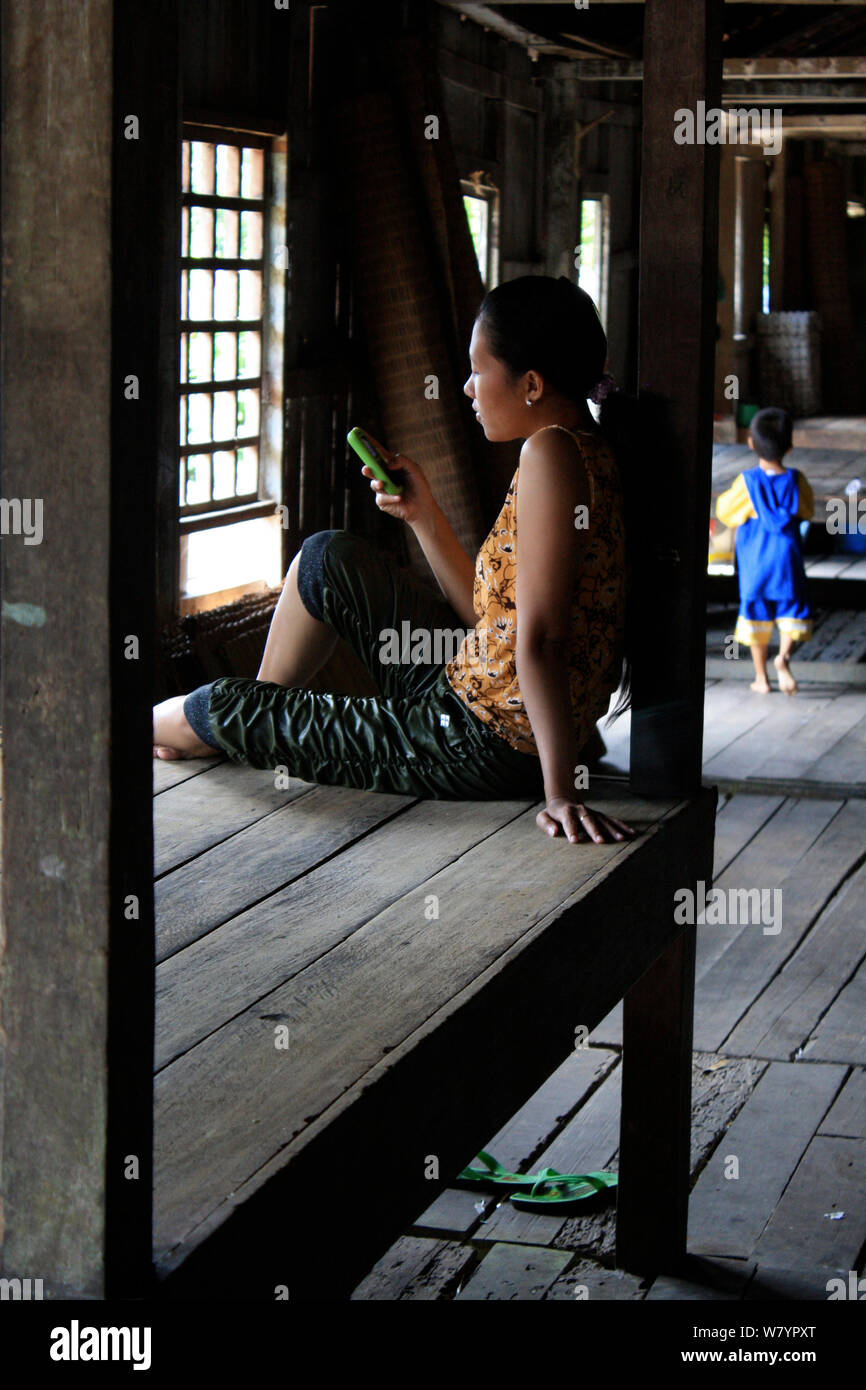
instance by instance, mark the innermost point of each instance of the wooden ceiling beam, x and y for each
(631, 70)
(735, 69)
(836, 4)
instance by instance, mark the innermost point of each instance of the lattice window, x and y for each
(222, 326)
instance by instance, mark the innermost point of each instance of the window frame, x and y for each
(602, 200)
(489, 194)
(238, 507)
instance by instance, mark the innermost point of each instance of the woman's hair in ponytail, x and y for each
(552, 326)
(623, 421)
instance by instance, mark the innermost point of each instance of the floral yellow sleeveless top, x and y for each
(484, 672)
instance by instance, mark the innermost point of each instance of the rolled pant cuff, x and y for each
(195, 707)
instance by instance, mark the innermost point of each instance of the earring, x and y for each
(529, 402)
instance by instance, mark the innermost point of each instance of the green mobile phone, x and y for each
(368, 449)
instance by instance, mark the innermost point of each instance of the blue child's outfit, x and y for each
(767, 508)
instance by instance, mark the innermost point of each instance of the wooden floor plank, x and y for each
(443, 1276)
(587, 1144)
(828, 624)
(224, 881)
(233, 1103)
(767, 1139)
(594, 1282)
(737, 823)
(844, 760)
(171, 773)
(509, 1272)
(784, 1015)
(725, 725)
(773, 1285)
(817, 736)
(530, 1132)
(213, 979)
(850, 643)
(609, 1031)
(814, 738)
(531, 1129)
(707, 1281)
(764, 863)
(753, 955)
(406, 1260)
(201, 811)
(456, 1210)
(830, 566)
(847, 1118)
(820, 1223)
(784, 719)
(841, 1034)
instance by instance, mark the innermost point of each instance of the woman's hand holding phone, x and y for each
(416, 501)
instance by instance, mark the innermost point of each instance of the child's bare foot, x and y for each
(173, 735)
(787, 684)
(761, 687)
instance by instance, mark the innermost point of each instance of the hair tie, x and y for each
(603, 389)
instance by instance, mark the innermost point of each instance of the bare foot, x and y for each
(173, 735)
(761, 687)
(787, 684)
(167, 754)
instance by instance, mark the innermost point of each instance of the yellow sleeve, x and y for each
(735, 506)
(806, 502)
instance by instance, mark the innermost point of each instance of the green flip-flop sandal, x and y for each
(493, 1172)
(560, 1190)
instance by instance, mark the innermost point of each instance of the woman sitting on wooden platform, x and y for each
(509, 715)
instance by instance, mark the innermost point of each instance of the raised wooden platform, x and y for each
(352, 987)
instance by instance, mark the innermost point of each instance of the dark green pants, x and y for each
(416, 738)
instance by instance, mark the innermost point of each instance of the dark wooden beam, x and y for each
(837, 4)
(677, 316)
(143, 578)
(76, 994)
(311, 235)
(658, 1024)
(164, 211)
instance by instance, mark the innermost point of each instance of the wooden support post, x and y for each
(145, 222)
(76, 974)
(310, 336)
(725, 404)
(778, 229)
(678, 286)
(653, 1192)
(749, 180)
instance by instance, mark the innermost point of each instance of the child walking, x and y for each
(766, 504)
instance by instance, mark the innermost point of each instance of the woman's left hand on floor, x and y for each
(580, 823)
